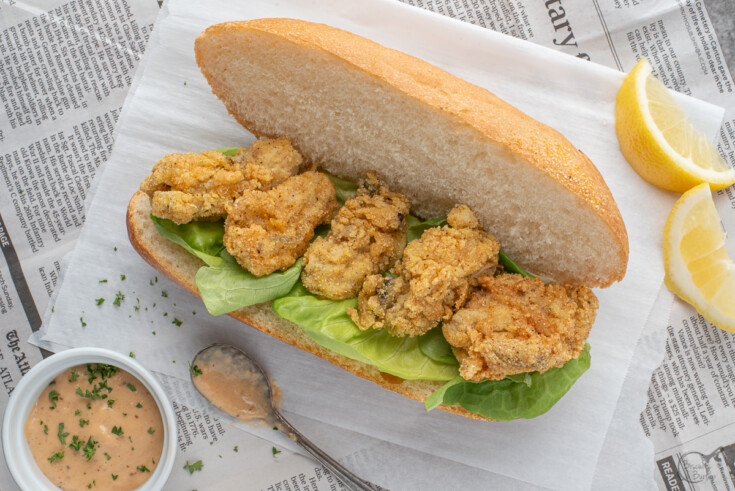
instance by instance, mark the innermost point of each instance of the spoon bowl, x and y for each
(234, 383)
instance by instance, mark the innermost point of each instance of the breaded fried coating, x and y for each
(367, 236)
(193, 186)
(268, 231)
(515, 325)
(267, 163)
(197, 186)
(433, 279)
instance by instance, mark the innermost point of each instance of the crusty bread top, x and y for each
(181, 267)
(351, 105)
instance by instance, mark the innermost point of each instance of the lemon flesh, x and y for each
(698, 267)
(658, 140)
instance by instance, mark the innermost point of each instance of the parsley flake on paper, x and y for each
(119, 297)
(196, 466)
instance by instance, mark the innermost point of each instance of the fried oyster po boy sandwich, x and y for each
(374, 221)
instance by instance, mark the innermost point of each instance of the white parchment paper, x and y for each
(171, 109)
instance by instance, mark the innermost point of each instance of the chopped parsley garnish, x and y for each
(56, 456)
(131, 387)
(103, 281)
(196, 466)
(151, 430)
(195, 370)
(45, 429)
(107, 456)
(114, 477)
(74, 376)
(99, 301)
(77, 412)
(143, 468)
(81, 319)
(163, 293)
(53, 396)
(139, 405)
(117, 430)
(119, 297)
(83, 422)
(110, 402)
(90, 448)
(122, 277)
(94, 394)
(76, 443)
(177, 322)
(275, 451)
(62, 436)
(235, 449)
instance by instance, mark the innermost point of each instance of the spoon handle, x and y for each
(350, 480)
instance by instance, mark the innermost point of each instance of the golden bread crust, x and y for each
(541, 146)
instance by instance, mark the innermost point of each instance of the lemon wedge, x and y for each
(658, 140)
(698, 268)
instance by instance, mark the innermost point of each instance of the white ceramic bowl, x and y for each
(18, 455)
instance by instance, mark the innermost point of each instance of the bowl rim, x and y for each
(20, 460)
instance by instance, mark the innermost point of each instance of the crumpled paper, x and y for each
(171, 108)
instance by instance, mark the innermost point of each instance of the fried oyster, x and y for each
(193, 186)
(267, 163)
(514, 325)
(267, 231)
(366, 237)
(432, 280)
(198, 186)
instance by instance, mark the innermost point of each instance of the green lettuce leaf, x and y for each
(202, 239)
(512, 398)
(345, 188)
(228, 286)
(512, 267)
(327, 323)
(229, 151)
(416, 227)
(435, 346)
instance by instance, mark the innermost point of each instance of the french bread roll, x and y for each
(350, 105)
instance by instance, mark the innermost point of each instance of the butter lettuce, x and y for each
(229, 151)
(225, 286)
(202, 239)
(345, 188)
(327, 323)
(416, 227)
(228, 286)
(526, 395)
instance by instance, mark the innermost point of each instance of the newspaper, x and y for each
(690, 412)
(66, 68)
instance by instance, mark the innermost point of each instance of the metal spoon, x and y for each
(249, 395)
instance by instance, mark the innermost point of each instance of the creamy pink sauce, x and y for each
(233, 387)
(112, 434)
